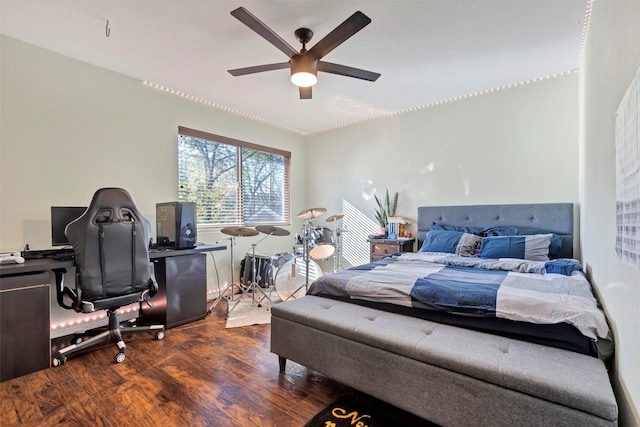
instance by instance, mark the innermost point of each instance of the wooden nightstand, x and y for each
(380, 248)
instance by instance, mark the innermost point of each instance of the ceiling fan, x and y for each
(305, 64)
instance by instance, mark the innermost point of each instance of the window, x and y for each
(232, 182)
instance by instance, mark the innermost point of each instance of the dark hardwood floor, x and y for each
(201, 374)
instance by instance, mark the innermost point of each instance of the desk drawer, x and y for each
(25, 345)
(182, 291)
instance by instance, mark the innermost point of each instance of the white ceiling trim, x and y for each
(355, 122)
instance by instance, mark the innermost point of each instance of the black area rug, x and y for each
(348, 411)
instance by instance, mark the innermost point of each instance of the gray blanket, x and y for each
(529, 291)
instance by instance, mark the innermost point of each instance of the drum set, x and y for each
(289, 273)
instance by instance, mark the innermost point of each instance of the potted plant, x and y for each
(386, 208)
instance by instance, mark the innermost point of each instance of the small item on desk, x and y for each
(56, 254)
(11, 258)
(37, 254)
(377, 236)
(162, 242)
(9, 254)
(64, 256)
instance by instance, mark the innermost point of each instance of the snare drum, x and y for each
(291, 278)
(264, 270)
(321, 243)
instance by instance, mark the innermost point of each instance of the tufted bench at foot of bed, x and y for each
(447, 375)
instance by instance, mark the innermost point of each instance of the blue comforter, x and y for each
(532, 291)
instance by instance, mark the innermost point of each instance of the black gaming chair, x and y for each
(110, 242)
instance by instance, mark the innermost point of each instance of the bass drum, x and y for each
(291, 277)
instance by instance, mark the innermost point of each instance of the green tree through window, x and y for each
(232, 182)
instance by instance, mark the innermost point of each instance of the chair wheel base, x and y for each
(119, 357)
(159, 335)
(59, 361)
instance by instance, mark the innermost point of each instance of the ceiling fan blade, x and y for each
(305, 92)
(342, 32)
(247, 18)
(258, 69)
(343, 70)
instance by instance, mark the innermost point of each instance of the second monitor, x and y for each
(176, 225)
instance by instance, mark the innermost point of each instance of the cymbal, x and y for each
(335, 217)
(239, 231)
(272, 230)
(311, 213)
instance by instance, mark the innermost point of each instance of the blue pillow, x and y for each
(506, 230)
(499, 230)
(554, 245)
(563, 266)
(532, 248)
(463, 228)
(453, 242)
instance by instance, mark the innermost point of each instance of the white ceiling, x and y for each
(427, 51)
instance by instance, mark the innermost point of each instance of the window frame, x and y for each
(239, 144)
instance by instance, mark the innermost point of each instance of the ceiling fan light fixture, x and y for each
(302, 79)
(304, 70)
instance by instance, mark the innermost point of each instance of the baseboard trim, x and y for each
(628, 415)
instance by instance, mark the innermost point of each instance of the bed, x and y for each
(493, 323)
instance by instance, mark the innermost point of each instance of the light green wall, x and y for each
(612, 59)
(69, 128)
(513, 146)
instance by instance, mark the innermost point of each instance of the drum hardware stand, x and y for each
(233, 232)
(222, 293)
(305, 256)
(338, 239)
(254, 280)
(309, 215)
(337, 266)
(253, 287)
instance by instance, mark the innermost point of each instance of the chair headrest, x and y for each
(113, 204)
(107, 205)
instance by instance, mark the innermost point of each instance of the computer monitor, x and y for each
(60, 217)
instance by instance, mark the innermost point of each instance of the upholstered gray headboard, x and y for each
(553, 217)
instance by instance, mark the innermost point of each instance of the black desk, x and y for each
(25, 340)
(25, 344)
(47, 264)
(182, 286)
(163, 253)
(34, 266)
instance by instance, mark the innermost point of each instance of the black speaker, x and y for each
(176, 225)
